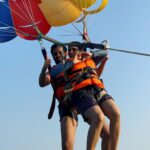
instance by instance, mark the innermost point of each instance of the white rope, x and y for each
(67, 31)
(21, 32)
(25, 15)
(15, 12)
(6, 31)
(27, 9)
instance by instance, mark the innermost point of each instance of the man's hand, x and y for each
(44, 78)
(47, 63)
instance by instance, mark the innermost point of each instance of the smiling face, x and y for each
(58, 54)
(73, 51)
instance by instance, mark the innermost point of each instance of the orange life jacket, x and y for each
(59, 86)
(82, 74)
(60, 83)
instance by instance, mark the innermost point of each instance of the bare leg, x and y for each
(105, 136)
(110, 109)
(96, 117)
(68, 130)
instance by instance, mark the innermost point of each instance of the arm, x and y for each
(85, 55)
(99, 55)
(44, 78)
(100, 68)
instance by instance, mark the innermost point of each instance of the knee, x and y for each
(99, 119)
(67, 145)
(115, 115)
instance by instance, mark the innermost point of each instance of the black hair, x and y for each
(79, 45)
(57, 46)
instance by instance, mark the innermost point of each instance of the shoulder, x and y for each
(56, 70)
(68, 64)
(89, 59)
(90, 62)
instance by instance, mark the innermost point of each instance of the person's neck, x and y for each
(76, 59)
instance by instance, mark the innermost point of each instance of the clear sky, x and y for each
(24, 105)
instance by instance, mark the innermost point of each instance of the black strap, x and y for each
(52, 107)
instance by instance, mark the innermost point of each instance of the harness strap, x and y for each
(84, 74)
(60, 81)
(52, 107)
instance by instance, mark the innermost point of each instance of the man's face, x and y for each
(58, 54)
(73, 51)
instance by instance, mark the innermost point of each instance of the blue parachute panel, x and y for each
(7, 32)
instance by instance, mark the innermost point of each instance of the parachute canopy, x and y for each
(18, 17)
(62, 12)
(30, 18)
(7, 31)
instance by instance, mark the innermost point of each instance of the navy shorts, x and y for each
(102, 98)
(65, 110)
(83, 99)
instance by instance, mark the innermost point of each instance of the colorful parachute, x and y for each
(7, 33)
(67, 11)
(30, 18)
(18, 17)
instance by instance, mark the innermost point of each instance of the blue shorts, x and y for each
(101, 99)
(96, 93)
(83, 99)
(65, 110)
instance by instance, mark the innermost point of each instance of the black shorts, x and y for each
(65, 110)
(101, 95)
(103, 98)
(83, 99)
(100, 99)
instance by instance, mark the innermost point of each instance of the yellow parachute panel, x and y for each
(59, 12)
(100, 8)
(62, 12)
(84, 3)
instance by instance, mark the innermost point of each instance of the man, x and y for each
(68, 120)
(105, 101)
(67, 128)
(79, 84)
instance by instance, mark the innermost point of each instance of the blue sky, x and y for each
(24, 105)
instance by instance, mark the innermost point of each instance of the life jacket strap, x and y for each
(52, 107)
(86, 73)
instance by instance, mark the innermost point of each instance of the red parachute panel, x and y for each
(25, 13)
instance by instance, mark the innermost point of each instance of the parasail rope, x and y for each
(24, 33)
(7, 31)
(130, 52)
(27, 9)
(77, 29)
(68, 31)
(25, 15)
(32, 14)
(30, 11)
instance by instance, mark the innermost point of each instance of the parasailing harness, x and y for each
(78, 77)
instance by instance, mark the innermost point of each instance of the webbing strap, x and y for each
(52, 107)
(86, 73)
